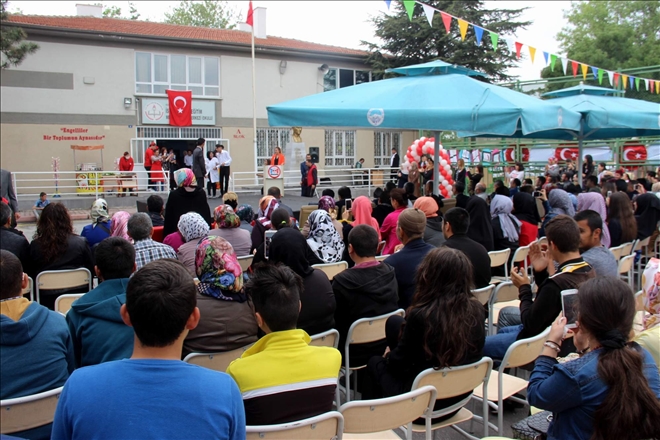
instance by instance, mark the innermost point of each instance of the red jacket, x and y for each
(127, 164)
(312, 176)
(147, 157)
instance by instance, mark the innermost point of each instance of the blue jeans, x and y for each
(497, 345)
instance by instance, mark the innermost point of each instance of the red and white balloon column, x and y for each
(425, 146)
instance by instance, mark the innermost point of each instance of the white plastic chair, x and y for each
(382, 257)
(625, 268)
(332, 269)
(28, 412)
(328, 426)
(484, 294)
(245, 262)
(63, 279)
(497, 259)
(326, 339)
(29, 289)
(617, 251)
(63, 303)
(640, 245)
(216, 361)
(504, 292)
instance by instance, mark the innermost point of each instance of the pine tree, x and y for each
(12, 45)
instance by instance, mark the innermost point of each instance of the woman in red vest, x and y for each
(311, 179)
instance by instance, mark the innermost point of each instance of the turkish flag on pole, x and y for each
(250, 16)
(180, 103)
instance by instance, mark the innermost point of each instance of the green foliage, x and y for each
(12, 45)
(612, 35)
(206, 13)
(135, 15)
(112, 12)
(408, 42)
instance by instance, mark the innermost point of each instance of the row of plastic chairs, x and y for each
(625, 255)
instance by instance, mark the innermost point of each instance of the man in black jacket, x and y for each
(394, 164)
(12, 239)
(534, 316)
(199, 165)
(455, 227)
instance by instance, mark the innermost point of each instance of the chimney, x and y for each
(243, 27)
(260, 22)
(89, 10)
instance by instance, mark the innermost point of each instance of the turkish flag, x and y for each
(509, 154)
(563, 153)
(180, 103)
(250, 16)
(634, 153)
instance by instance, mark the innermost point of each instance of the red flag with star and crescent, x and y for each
(180, 103)
(250, 16)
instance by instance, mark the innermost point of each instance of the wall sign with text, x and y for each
(157, 111)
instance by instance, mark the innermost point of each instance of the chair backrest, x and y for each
(627, 248)
(29, 289)
(369, 329)
(215, 361)
(326, 339)
(381, 246)
(382, 257)
(455, 381)
(328, 426)
(63, 302)
(157, 234)
(499, 258)
(484, 294)
(639, 301)
(504, 292)
(332, 269)
(364, 416)
(542, 241)
(524, 351)
(305, 211)
(625, 264)
(639, 244)
(141, 206)
(63, 279)
(245, 262)
(521, 254)
(28, 412)
(617, 251)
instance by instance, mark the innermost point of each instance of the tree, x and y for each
(135, 15)
(611, 35)
(207, 13)
(112, 12)
(12, 46)
(407, 42)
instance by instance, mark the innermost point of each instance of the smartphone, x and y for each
(268, 237)
(609, 194)
(537, 193)
(349, 203)
(569, 306)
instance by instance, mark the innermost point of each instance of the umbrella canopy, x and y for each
(436, 67)
(427, 101)
(582, 89)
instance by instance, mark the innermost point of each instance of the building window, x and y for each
(268, 139)
(339, 78)
(156, 73)
(384, 141)
(339, 148)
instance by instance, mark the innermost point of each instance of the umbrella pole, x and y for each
(580, 155)
(436, 162)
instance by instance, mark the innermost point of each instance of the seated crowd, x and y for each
(158, 302)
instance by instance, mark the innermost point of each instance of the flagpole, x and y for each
(254, 93)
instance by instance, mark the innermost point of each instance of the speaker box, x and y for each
(314, 152)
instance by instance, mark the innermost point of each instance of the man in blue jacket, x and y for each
(97, 329)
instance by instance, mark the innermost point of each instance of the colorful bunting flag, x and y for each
(410, 7)
(637, 84)
(574, 65)
(429, 11)
(494, 39)
(532, 52)
(518, 48)
(632, 80)
(610, 77)
(594, 71)
(511, 44)
(646, 84)
(600, 76)
(446, 19)
(584, 68)
(545, 57)
(625, 81)
(564, 64)
(478, 33)
(553, 60)
(616, 79)
(463, 27)
(387, 2)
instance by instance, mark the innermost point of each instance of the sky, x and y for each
(344, 23)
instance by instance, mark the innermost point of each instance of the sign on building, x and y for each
(157, 111)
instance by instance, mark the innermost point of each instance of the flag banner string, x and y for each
(576, 67)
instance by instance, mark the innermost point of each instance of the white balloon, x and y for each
(443, 162)
(447, 167)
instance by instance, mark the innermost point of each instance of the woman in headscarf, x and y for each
(101, 226)
(227, 320)
(525, 210)
(480, 229)
(267, 205)
(362, 210)
(596, 202)
(327, 204)
(559, 203)
(323, 238)
(192, 227)
(186, 198)
(647, 214)
(246, 214)
(228, 226)
(413, 177)
(506, 227)
(433, 233)
(317, 299)
(119, 225)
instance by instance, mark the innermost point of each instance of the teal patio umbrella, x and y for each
(434, 96)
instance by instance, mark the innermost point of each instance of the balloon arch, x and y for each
(425, 146)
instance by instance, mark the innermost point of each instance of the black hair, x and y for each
(645, 183)
(528, 181)
(593, 219)
(384, 197)
(41, 194)
(541, 179)
(564, 232)
(364, 240)
(115, 258)
(480, 169)
(275, 292)
(344, 193)
(529, 189)
(11, 275)
(5, 214)
(201, 141)
(503, 191)
(572, 188)
(517, 182)
(460, 187)
(593, 179)
(275, 192)
(497, 183)
(603, 164)
(280, 219)
(409, 188)
(651, 174)
(378, 192)
(521, 166)
(389, 186)
(621, 185)
(155, 204)
(458, 219)
(328, 192)
(160, 297)
(400, 196)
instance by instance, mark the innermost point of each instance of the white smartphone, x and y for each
(569, 307)
(268, 237)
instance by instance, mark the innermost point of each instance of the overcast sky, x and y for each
(344, 23)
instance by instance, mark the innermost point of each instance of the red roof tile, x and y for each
(151, 29)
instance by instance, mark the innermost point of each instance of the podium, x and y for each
(273, 176)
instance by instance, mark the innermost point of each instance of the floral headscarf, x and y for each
(651, 289)
(185, 177)
(326, 203)
(192, 226)
(99, 211)
(225, 217)
(245, 213)
(323, 237)
(596, 202)
(219, 273)
(119, 226)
